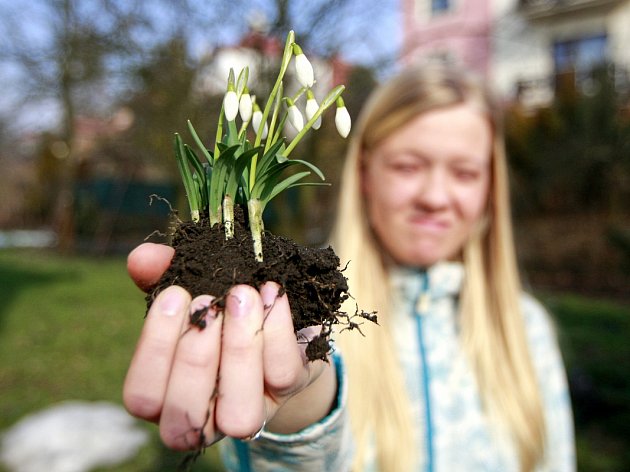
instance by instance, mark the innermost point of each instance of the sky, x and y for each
(381, 38)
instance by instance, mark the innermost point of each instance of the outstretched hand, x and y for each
(244, 370)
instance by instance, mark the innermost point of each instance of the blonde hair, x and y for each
(492, 330)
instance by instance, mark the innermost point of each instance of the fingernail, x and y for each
(171, 302)
(243, 299)
(270, 291)
(201, 302)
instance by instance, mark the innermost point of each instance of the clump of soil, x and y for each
(205, 263)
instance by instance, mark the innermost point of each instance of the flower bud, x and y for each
(257, 120)
(245, 106)
(295, 117)
(311, 108)
(342, 119)
(303, 68)
(230, 105)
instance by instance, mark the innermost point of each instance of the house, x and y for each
(261, 53)
(522, 46)
(448, 31)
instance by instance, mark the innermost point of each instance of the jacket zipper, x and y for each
(421, 309)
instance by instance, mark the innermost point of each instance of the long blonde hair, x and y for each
(492, 331)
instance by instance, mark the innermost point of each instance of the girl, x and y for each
(463, 371)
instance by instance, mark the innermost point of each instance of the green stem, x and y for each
(254, 210)
(228, 216)
(271, 138)
(232, 133)
(327, 103)
(218, 135)
(214, 216)
(243, 130)
(286, 58)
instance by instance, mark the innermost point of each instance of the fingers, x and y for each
(227, 378)
(187, 419)
(148, 375)
(148, 262)
(301, 395)
(284, 366)
(240, 409)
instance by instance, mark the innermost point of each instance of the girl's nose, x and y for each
(433, 190)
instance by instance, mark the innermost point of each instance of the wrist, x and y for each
(309, 406)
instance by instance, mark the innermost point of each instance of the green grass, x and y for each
(68, 327)
(595, 340)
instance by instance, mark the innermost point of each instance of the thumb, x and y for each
(147, 263)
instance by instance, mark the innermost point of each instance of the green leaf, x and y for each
(283, 185)
(217, 185)
(268, 158)
(235, 173)
(199, 185)
(227, 151)
(194, 160)
(199, 143)
(241, 82)
(311, 166)
(267, 180)
(243, 193)
(275, 165)
(185, 172)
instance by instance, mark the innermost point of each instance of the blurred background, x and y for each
(93, 91)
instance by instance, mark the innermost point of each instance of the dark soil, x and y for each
(205, 263)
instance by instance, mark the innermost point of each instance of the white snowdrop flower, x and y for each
(295, 117)
(311, 108)
(245, 106)
(257, 120)
(230, 105)
(303, 68)
(342, 119)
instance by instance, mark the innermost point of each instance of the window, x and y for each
(576, 60)
(425, 10)
(440, 6)
(580, 55)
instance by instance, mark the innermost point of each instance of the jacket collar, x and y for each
(444, 280)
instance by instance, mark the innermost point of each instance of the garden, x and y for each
(68, 327)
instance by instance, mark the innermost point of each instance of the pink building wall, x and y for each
(461, 34)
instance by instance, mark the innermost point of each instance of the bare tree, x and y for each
(348, 27)
(67, 58)
(73, 57)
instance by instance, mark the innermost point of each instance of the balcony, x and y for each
(539, 92)
(534, 9)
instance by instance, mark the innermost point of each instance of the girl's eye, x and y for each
(466, 175)
(403, 167)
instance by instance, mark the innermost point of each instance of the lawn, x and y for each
(594, 336)
(68, 327)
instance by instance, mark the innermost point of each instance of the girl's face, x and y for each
(426, 185)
